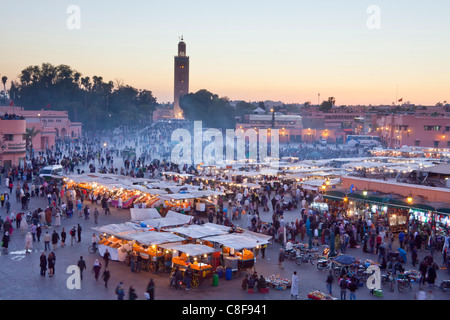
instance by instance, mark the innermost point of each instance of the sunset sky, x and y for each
(249, 50)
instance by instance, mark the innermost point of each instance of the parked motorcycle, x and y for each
(445, 285)
(305, 258)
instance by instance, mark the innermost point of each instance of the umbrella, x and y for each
(402, 254)
(345, 259)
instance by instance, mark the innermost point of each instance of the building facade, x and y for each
(50, 126)
(412, 130)
(181, 78)
(12, 139)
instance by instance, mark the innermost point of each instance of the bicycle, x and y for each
(92, 249)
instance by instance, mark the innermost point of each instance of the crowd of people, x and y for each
(142, 153)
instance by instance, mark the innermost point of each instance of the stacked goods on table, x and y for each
(145, 200)
(181, 260)
(177, 206)
(413, 274)
(278, 282)
(150, 251)
(319, 295)
(200, 266)
(245, 255)
(110, 242)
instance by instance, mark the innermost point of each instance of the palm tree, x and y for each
(30, 134)
(4, 79)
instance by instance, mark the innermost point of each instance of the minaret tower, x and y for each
(181, 79)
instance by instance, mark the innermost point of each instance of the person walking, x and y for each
(82, 265)
(96, 213)
(28, 242)
(86, 212)
(352, 287)
(33, 229)
(281, 258)
(151, 290)
(294, 285)
(51, 260)
(79, 229)
(63, 237)
(329, 282)
(188, 277)
(132, 293)
(120, 292)
(431, 274)
(5, 240)
(43, 264)
(106, 257)
(106, 275)
(343, 286)
(38, 232)
(47, 239)
(58, 218)
(73, 234)
(95, 240)
(55, 239)
(97, 267)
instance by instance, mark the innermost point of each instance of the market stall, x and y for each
(194, 256)
(236, 249)
(112, 239)
(148, 246)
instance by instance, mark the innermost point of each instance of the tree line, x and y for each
(97, 103)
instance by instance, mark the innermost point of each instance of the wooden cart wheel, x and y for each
(195, 281)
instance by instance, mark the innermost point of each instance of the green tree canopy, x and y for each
(96, 103)
(213, 111)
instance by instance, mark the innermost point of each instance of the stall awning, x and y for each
(200, 231)
(189, 249)
(172, 219)
(150, 238)
(144, 214)
(236, 241)
(119, 230)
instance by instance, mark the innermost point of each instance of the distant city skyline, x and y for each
(286, 51)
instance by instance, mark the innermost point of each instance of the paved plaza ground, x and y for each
(20, 278)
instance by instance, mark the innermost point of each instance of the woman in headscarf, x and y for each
(28, 242)
(58, 218)
(97, 267)
(294, 285)
(5, 240)
(7, 226)
(23, 225)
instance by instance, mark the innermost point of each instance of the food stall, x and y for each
(236, 249)
(199, 200)
(148, 245)
(112, 237)
(194, 256)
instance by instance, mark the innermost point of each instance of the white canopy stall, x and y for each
(172, 219)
